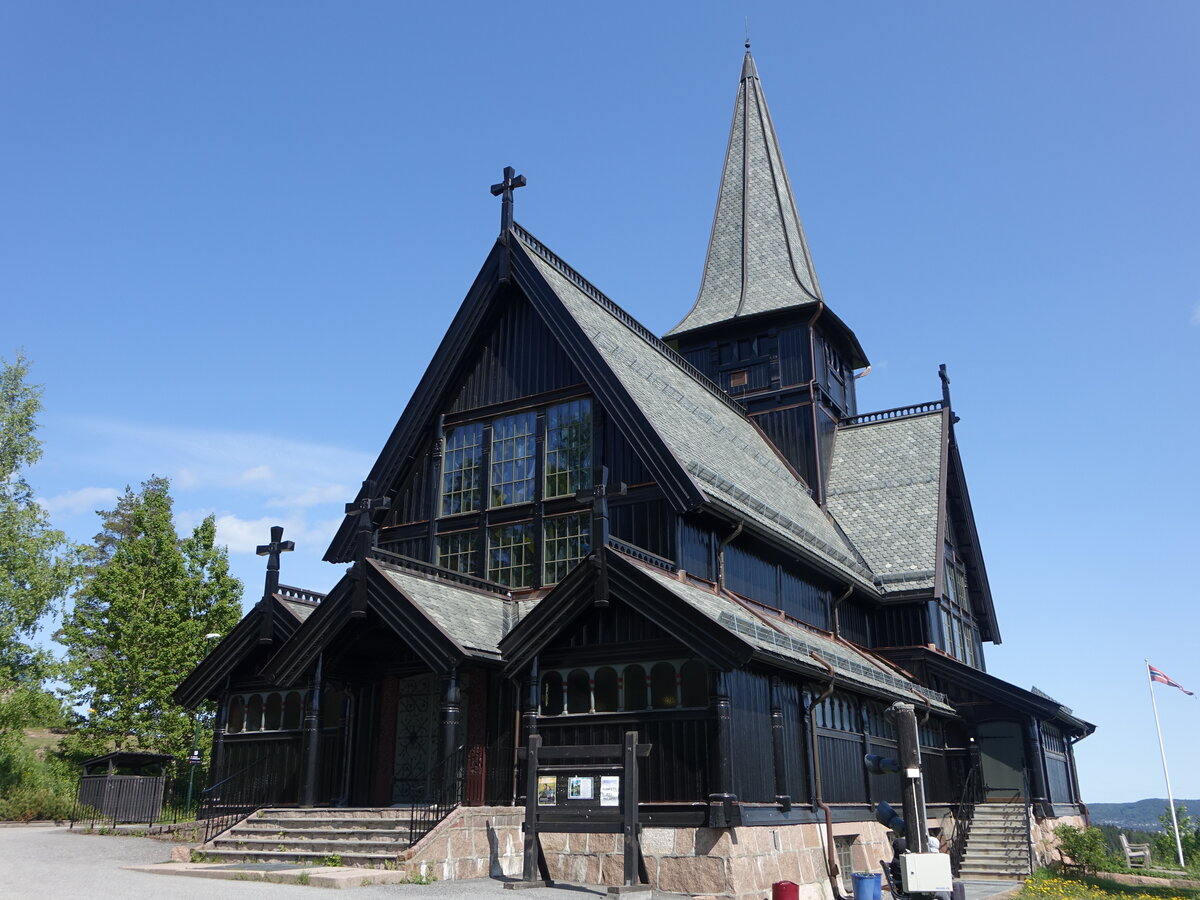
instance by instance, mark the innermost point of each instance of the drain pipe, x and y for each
(831, 864)
(721, 553)
(837, 625)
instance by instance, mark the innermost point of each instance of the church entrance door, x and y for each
(416, 739)
(1002, 756)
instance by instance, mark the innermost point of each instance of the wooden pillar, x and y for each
(385, 741)
(722, 802)
(218, 745)
(451, 712)
(1036, 763)
(312, 737)
(811, 746)
(782, 797)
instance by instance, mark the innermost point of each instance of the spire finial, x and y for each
(747, 32)
(505, 189)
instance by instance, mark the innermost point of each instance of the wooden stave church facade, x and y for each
(782, 637)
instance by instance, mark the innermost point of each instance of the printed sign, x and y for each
(610, 790)
(580, 787)
(547, 792)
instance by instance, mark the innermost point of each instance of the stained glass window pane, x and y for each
(514, 459)
(460, 469)
(569, 448)
(511, 554)
(567, 541)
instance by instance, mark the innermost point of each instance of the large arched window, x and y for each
(693, 682)
(237, 715)
(254, 713)
(273, 717)
(605, 691)
(579, 692)
(552, 694)
(664, 689)
(292, 711)
(635, 687)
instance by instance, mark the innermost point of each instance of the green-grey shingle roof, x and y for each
(884, 488)
(725, 455)
(758, 259)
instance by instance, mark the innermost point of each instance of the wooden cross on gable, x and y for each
(598, 495)
(266, 631)
(365, 507)
(505, 188)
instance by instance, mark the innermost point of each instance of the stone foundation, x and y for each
(735, 863)
(1045, 842)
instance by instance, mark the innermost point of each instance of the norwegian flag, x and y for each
(1161, 677)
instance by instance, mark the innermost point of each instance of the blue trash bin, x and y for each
(865, 885)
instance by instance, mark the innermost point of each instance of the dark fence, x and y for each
(232, 799)
(106, 801)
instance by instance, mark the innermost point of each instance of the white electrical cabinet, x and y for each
(925, 873)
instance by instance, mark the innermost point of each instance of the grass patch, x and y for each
(1059, 886)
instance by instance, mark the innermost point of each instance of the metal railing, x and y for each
(232, 799)
(106, 801)
(444, 789)
(964, 812)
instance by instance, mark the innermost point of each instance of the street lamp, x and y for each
(193, 759)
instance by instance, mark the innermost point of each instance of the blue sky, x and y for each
(232, 234)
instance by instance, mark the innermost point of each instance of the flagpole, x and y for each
(1163, 752)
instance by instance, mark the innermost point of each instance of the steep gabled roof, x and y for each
(444, 617)
(885, 492)
(240, 645)
(726, 459)
(758, 259)
(713, 624)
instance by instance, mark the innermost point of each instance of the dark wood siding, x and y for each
(695, 550)
(795, 357)
(753, 761)
(804, 600)
(648, 524)
(795, 741)
(791, 431)
(519, 358)
(854, 623)
(842, 770)
(901, 626)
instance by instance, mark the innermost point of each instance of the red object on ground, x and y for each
(785, 890)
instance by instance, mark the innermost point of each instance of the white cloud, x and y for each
(1196, 315)
(314, 495)
(83, 500)
(258, 473)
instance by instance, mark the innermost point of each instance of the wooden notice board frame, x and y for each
(590, 789)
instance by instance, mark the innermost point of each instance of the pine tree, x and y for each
(36, 561)
(140, 621)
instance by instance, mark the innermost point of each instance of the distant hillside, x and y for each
(1142, 814)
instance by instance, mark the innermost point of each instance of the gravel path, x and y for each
(42, 863)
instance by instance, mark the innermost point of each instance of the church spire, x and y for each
(758, 258)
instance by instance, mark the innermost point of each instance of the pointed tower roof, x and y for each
(758, 259)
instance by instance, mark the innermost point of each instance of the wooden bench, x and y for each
(1137, 856)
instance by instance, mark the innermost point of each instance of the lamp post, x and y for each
(194, 757)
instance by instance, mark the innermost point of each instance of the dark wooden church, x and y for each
(579, 528)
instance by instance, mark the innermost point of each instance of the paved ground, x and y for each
(42, 863)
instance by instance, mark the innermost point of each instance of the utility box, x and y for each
(926, 873)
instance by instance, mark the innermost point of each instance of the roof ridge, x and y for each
(624, 317)
(432, 572)
(896, 412)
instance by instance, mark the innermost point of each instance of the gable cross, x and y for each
(505, 188)
(599, 494)
(271, 551)
(365, 507)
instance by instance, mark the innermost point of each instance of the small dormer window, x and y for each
(738, 379)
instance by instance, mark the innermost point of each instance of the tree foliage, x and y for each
(140, 621)
(36, 561)
(1164, 848)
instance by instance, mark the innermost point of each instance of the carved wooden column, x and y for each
(722, 802)
(312, 737)
(1036, 765)
(782, 797)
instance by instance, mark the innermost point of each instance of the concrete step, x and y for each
(302, 858)
(237, 844)
(989, 875)
(395, 836)
(274, 826)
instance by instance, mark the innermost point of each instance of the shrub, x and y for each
(1085, 846)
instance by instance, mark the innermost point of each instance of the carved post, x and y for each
(1036, 765)
(782, 797)
(312, 737)
(723, 811)
(451, 712)
(218, 744)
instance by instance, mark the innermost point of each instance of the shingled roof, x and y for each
(884, 491)
(727, 458)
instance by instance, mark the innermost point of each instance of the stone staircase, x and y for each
(371, 838)
(997, 843)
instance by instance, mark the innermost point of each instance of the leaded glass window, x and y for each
(460, 469)
(567, 541)
(457, 552)
(511, 554)
(569, 448)
(514, 459)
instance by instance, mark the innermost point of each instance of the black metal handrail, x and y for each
(964, 813)
(444, 795)
(232, 799)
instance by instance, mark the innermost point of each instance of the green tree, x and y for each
(36, 561)
(1189, 838)
(140, 621)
